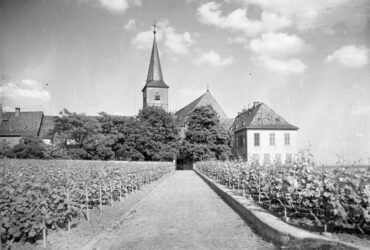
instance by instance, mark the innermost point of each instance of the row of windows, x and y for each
(241, 140)
(267, 158)
(257, 141)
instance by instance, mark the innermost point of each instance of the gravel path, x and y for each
(183, 213)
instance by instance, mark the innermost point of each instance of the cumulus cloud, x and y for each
(212, 58)
(118, 6)
(282, 67)
(26, 93)
(210, 14)
(178, 43)
(278, 45)
(130, 24)
(350, 56)
(236, 40)
(361, 110)
(305, 14)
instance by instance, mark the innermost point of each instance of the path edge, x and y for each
(91, 244)
(270, 227)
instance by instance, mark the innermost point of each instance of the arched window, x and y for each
(157, 96)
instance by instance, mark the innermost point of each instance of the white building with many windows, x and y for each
(262, 135)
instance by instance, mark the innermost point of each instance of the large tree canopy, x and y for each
(151, 135)
(205, 138)
(159, 138)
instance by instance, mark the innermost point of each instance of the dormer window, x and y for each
(157, 96)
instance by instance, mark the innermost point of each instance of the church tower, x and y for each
(155, 91)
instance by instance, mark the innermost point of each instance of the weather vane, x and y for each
(154, 27)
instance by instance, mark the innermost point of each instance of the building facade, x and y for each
(262, 136)
(19, 124)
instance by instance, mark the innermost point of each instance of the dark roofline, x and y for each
(266, 128)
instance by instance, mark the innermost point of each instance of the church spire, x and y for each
(155, 70)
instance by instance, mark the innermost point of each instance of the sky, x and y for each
(306, 59)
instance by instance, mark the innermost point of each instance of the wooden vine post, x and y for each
(87, 204)
(44, 231)
(111, 193)
(68, 208)
(100, 202)
(120, 189)
(1, 241)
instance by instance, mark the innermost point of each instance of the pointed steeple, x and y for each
(155, 70)
(155, 91)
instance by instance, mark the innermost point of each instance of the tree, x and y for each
(81, 136)
(31, 147)
(118, 131)
(4, 148)
(205, 138)
(157, 136)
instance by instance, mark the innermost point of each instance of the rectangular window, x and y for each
(157, 97)
(236, 142)
(288, 158)
(272, 139)
(287, 138)
(278, 158)
(256, 139)
(266, 158)
(244, 144)
(256, 157)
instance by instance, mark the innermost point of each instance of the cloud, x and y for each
(282, 67)
(190, 93)
(178, 43)
(278, 45)
(361, 110)
(210, 14)
(26, 93)
(305, 14)
(350, 56)
(130, 24)
(118, 6)
(236, 40)
(213, 59)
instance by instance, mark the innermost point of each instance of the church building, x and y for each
(258, 133)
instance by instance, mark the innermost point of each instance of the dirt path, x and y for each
(182, 213)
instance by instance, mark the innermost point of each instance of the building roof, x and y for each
(226, 123)
(155, 77)
(47, 125)
(205, 99)
(156, 84)
(260, 116)
(26, 123)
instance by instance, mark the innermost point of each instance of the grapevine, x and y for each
(338, 198)
(36, 195)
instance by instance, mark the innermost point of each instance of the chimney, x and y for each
(255, 104)
(17, 111)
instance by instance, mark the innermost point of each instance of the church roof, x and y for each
(155, 77)
(26, 123)
(47, 125)
(260, 116)
(205, 99)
